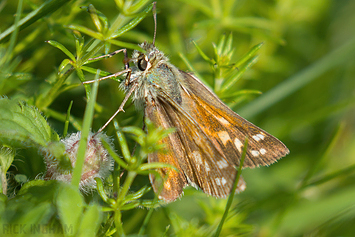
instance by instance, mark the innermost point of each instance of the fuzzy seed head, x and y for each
(98, 163)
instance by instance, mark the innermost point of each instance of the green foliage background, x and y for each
(305, 70)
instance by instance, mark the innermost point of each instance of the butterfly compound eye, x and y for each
(142, 64)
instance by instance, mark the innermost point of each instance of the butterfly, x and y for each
(208, 141)
(207, 144)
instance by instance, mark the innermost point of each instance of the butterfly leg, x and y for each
(128, 70)
(126, 60)
(120, 108)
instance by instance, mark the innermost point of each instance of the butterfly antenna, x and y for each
(155, 20)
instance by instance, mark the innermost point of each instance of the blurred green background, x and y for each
(305, 71)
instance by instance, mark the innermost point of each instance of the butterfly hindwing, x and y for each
(213, 173)
(197, 158)
(170, 184)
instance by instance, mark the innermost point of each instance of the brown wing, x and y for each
(226, 129)
(170, 184)
(200, 163)
(208, 142)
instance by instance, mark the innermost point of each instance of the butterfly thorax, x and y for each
(153, 76)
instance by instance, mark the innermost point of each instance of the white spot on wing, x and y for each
(207, 167)
(254, 153)
(224, 136)
(222, 164)
(191, 183)
(238, 144)
(223, 121)
(223, 181)
(220, 181)
(241, 184)
(197, 158)
(262, 151)
(258, 137)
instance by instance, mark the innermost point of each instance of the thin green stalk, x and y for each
(62, 117)
(147, 218)
(6, 60)
(127, 184)
(46, 8)
(318, 160)
(118, 224)
(235, 185)
(326, 178)
(123, 143)
(13, 38)
(44, 101)
(294, 83)
(67, 119)
(88, 117)
(293, 199)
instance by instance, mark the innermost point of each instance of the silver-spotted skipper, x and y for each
(207, 144)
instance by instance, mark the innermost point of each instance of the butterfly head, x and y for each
(150, 59)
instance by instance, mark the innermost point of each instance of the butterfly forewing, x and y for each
(227, 129)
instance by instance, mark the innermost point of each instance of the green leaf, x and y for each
(156, 165)
(124, 44)
(131, 24)
(307, 214)
(335, 58)
(87, 31)
(118, 160)
(46, 8)
(7, 155)
(33, 203)
(40, 213)
(219, 48)
(228, 84)
(23, 124)
(62, 48)
(94, 71)
(70, 206)
(21, 178)
(228, 48)
(123, 143)
(249, 55)
(95, 18)
(192, 69)
(138, 194)
(100, 189)
(240, 93)
(135, 7)
(38, 186)
(202, 54)
(90, 221)
(64, 63)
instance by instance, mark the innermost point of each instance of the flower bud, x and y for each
(98, 163)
